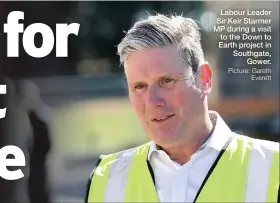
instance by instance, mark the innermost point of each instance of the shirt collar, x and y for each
(217, 139)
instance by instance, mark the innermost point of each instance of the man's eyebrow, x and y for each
(177, 75)
(168, 75)
(135, 82)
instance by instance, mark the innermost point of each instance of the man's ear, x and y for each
(206, 77)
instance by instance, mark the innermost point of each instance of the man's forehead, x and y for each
(153, 57)
(150, 72)
(153, 63)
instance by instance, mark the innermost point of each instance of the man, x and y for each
(18, 133)
(40, 116)
(193, 155)
(29, 120)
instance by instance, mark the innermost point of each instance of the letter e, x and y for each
(19, 160)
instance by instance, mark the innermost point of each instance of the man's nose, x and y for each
(154, 97)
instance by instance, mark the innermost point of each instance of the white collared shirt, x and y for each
(176, 183)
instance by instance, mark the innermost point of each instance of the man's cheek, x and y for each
(178, 99)
(139, 107)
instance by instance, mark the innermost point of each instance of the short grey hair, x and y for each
(159, 31)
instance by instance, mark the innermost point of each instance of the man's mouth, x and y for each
(162, 119)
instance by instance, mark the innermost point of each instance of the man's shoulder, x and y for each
(267, 145)
(123, 154)
(120, 160)
(117, 155)
(261, 144)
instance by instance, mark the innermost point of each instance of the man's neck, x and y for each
(181, 152)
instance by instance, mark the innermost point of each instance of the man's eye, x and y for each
(167, 82)
(139, 86)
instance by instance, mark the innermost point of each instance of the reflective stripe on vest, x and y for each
(266, 168)
(244, 173)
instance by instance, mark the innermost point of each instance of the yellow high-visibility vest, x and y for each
(127, 176)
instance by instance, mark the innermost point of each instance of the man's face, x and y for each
(167, 105)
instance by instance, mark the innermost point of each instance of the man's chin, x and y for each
(164, 138)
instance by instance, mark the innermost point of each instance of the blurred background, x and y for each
(84, 106)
